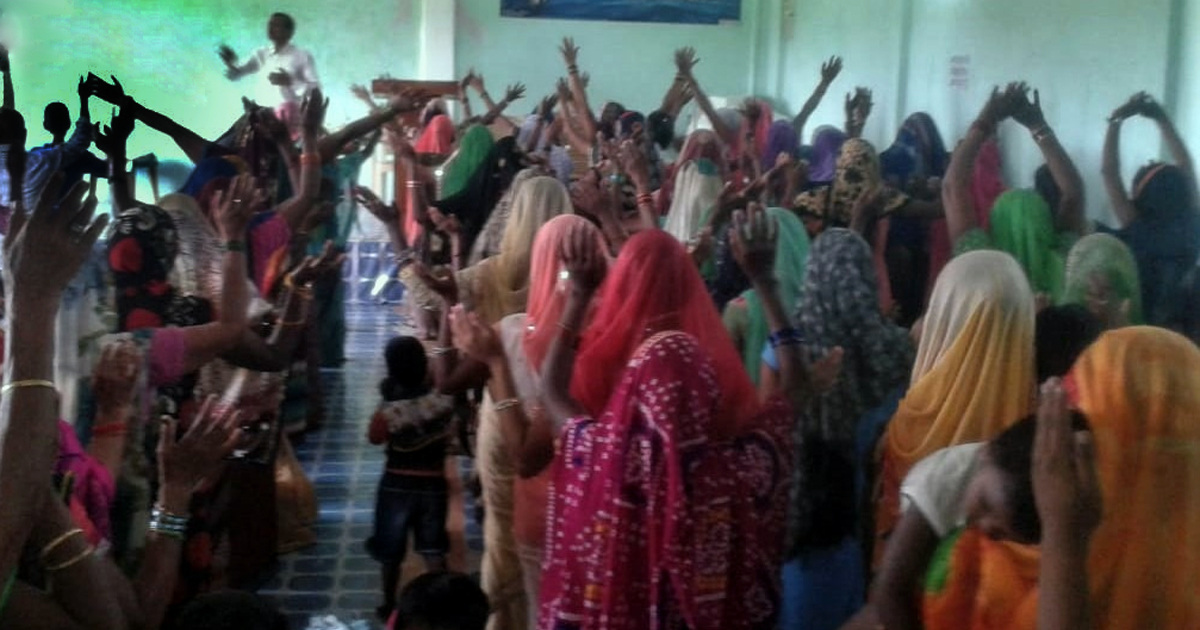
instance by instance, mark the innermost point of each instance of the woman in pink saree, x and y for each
(668, 500)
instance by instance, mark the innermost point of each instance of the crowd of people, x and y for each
(710, 379)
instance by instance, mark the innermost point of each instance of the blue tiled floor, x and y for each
(336, 576)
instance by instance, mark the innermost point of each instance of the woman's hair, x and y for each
(406, 366)
(230, 610)
(1162, 191)
(442, 600)
(1011, 453)
(1061, 334)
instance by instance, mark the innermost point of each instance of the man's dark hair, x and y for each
(1012, 453)
(57, 118)
(288, 20)
(442, 601)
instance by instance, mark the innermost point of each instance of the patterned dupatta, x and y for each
(657, 526)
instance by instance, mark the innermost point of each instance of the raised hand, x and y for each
(475, 80)
(1065, 485)
(590, 198)
(563, 90)
(634, 163)
(268, 125)
(998, 107)
(546, 107)
(515, 92)
(280, 78)
(5, 65)
(474, 338)
(858, 107)
(584, 264)
(112, 139)
(236, 205)
(585, 79)
(185, 462)
(44, 250)
(752, 239)
(227, 55)
(115, 377)
(570, 52)
(1130, 108)
(312, 111)
(361, 93)
(685, 61)
(1028, 112)
(468, 80)
(831, 69)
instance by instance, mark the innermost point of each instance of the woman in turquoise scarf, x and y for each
(744, 317)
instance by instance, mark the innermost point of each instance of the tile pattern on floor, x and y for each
(336, 576)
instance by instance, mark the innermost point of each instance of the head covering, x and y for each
(471, 156)
(141, 255)
(761, 130)
(827, 146)
(507, 279)
(210, 168)
(546, 299)
(492, 233)
(973, 375)
(700, 144)
(474, 203)
(1023, 226)
(438, 137)
(781, 139)
(921, 133)
(791, 258)
(857, 172)
(697, 191)
(653, 511)
(1106, 255)
(1138, 388)
(626, 123)
(654, 287)
(840, 307)
(197, 269)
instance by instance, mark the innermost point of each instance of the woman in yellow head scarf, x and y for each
(1140, 389)
(973, 374)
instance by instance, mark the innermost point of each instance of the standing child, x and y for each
(415, 423)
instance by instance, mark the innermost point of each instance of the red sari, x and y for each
(655, 524)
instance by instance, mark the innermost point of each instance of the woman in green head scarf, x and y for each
(1102, 275)
(472, 153)
(744, 317)
(1023, 226)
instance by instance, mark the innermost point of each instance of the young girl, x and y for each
(415, 423)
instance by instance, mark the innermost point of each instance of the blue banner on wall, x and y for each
(676, 11)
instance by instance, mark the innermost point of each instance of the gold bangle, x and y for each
(34, 382)
(72, 562)
(52, 545)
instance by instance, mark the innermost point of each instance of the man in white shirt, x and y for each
(290, 69)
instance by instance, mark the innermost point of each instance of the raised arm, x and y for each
(233, 71)
(305, 198)
(1153, 110)
(1110, 167)
(1067, 492)
(566, 110)
(685, 61)
(42, 253)
(586, 266)
(112, 141)
(331, 145)
(829, 71)
(513, 94)
(6, 70)
(586, 117)
(1069, 215)
(530, 441)
(858, 110)
(956, 188)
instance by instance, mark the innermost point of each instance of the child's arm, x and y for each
(905, 561)
(378, 431)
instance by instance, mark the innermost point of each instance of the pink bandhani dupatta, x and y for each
(654, 525)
